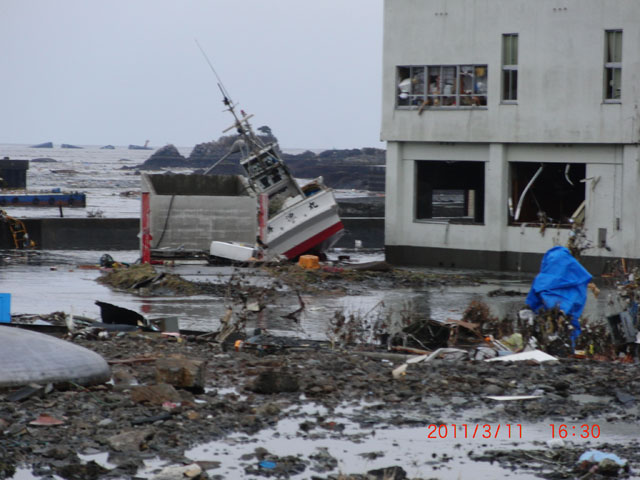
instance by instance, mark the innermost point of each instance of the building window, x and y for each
(613, 65)
(450, 191)
(411, 86)
(510, 67)
(441, 86)
(546, 193)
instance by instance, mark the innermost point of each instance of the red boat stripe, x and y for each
(313, 241)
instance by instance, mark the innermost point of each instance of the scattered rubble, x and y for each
(246, 393)
(170, 393)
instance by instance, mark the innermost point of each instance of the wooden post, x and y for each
(146, 233)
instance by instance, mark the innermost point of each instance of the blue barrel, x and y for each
(5, 308)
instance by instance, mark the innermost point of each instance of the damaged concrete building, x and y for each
(508, 123)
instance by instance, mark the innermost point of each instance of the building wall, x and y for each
(559, 117)
(560, 79)
(611, 197)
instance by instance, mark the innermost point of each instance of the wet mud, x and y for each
(251, 404)
(323, 394)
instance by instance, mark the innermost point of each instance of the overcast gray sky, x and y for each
(90, 72)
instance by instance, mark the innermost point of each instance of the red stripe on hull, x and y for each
(314, 241)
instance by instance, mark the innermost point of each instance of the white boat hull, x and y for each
(233, 251)
(311, 225)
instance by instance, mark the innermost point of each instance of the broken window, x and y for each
(613, 65)
(441, 86)
(450, 190)
(510, 67)
(546, 193)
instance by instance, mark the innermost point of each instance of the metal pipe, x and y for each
(524, 192)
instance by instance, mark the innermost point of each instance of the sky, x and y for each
(119, 72)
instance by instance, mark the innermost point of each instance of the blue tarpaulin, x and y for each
(562, 282)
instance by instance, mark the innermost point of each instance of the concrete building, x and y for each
(13, 173)
(508, 123)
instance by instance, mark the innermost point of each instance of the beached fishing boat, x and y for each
(301, 219)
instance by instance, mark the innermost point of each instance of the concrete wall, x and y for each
(190, 211)
(78, 233)
(611, 196)
(560, 69)
(105, 234)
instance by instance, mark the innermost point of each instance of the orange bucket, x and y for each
(309, 261)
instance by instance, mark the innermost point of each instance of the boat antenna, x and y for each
(223, 90)
(242, 125)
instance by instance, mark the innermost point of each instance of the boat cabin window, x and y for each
(450, 191)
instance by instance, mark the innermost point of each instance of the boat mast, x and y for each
(265, 169)
(242, 125)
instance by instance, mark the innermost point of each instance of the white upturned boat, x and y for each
(301, 220)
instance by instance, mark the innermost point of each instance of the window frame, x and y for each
(611, 68)
(509, 69)
(418, 93)
(452, 176)
(554, 192)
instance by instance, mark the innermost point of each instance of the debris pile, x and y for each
(143, 279)
(169, 394)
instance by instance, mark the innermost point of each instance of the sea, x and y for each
(104, 175)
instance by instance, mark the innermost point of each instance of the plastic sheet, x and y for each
(562, 282)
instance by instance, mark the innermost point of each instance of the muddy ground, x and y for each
(340, 393)
(246, 392)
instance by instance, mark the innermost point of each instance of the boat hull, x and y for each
(309, 226)
(233, 251)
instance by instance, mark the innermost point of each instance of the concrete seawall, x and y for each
(78, 233)
(122, 233)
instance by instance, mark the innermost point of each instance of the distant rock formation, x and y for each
(108, 147)
(206, 154)
(43, 160)
(167, 156)
(66, 145)
(361, 169)
(43, 145)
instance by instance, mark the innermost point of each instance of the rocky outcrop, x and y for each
(43, 145)
(206, 154)
(167, 156)
(361, 169)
